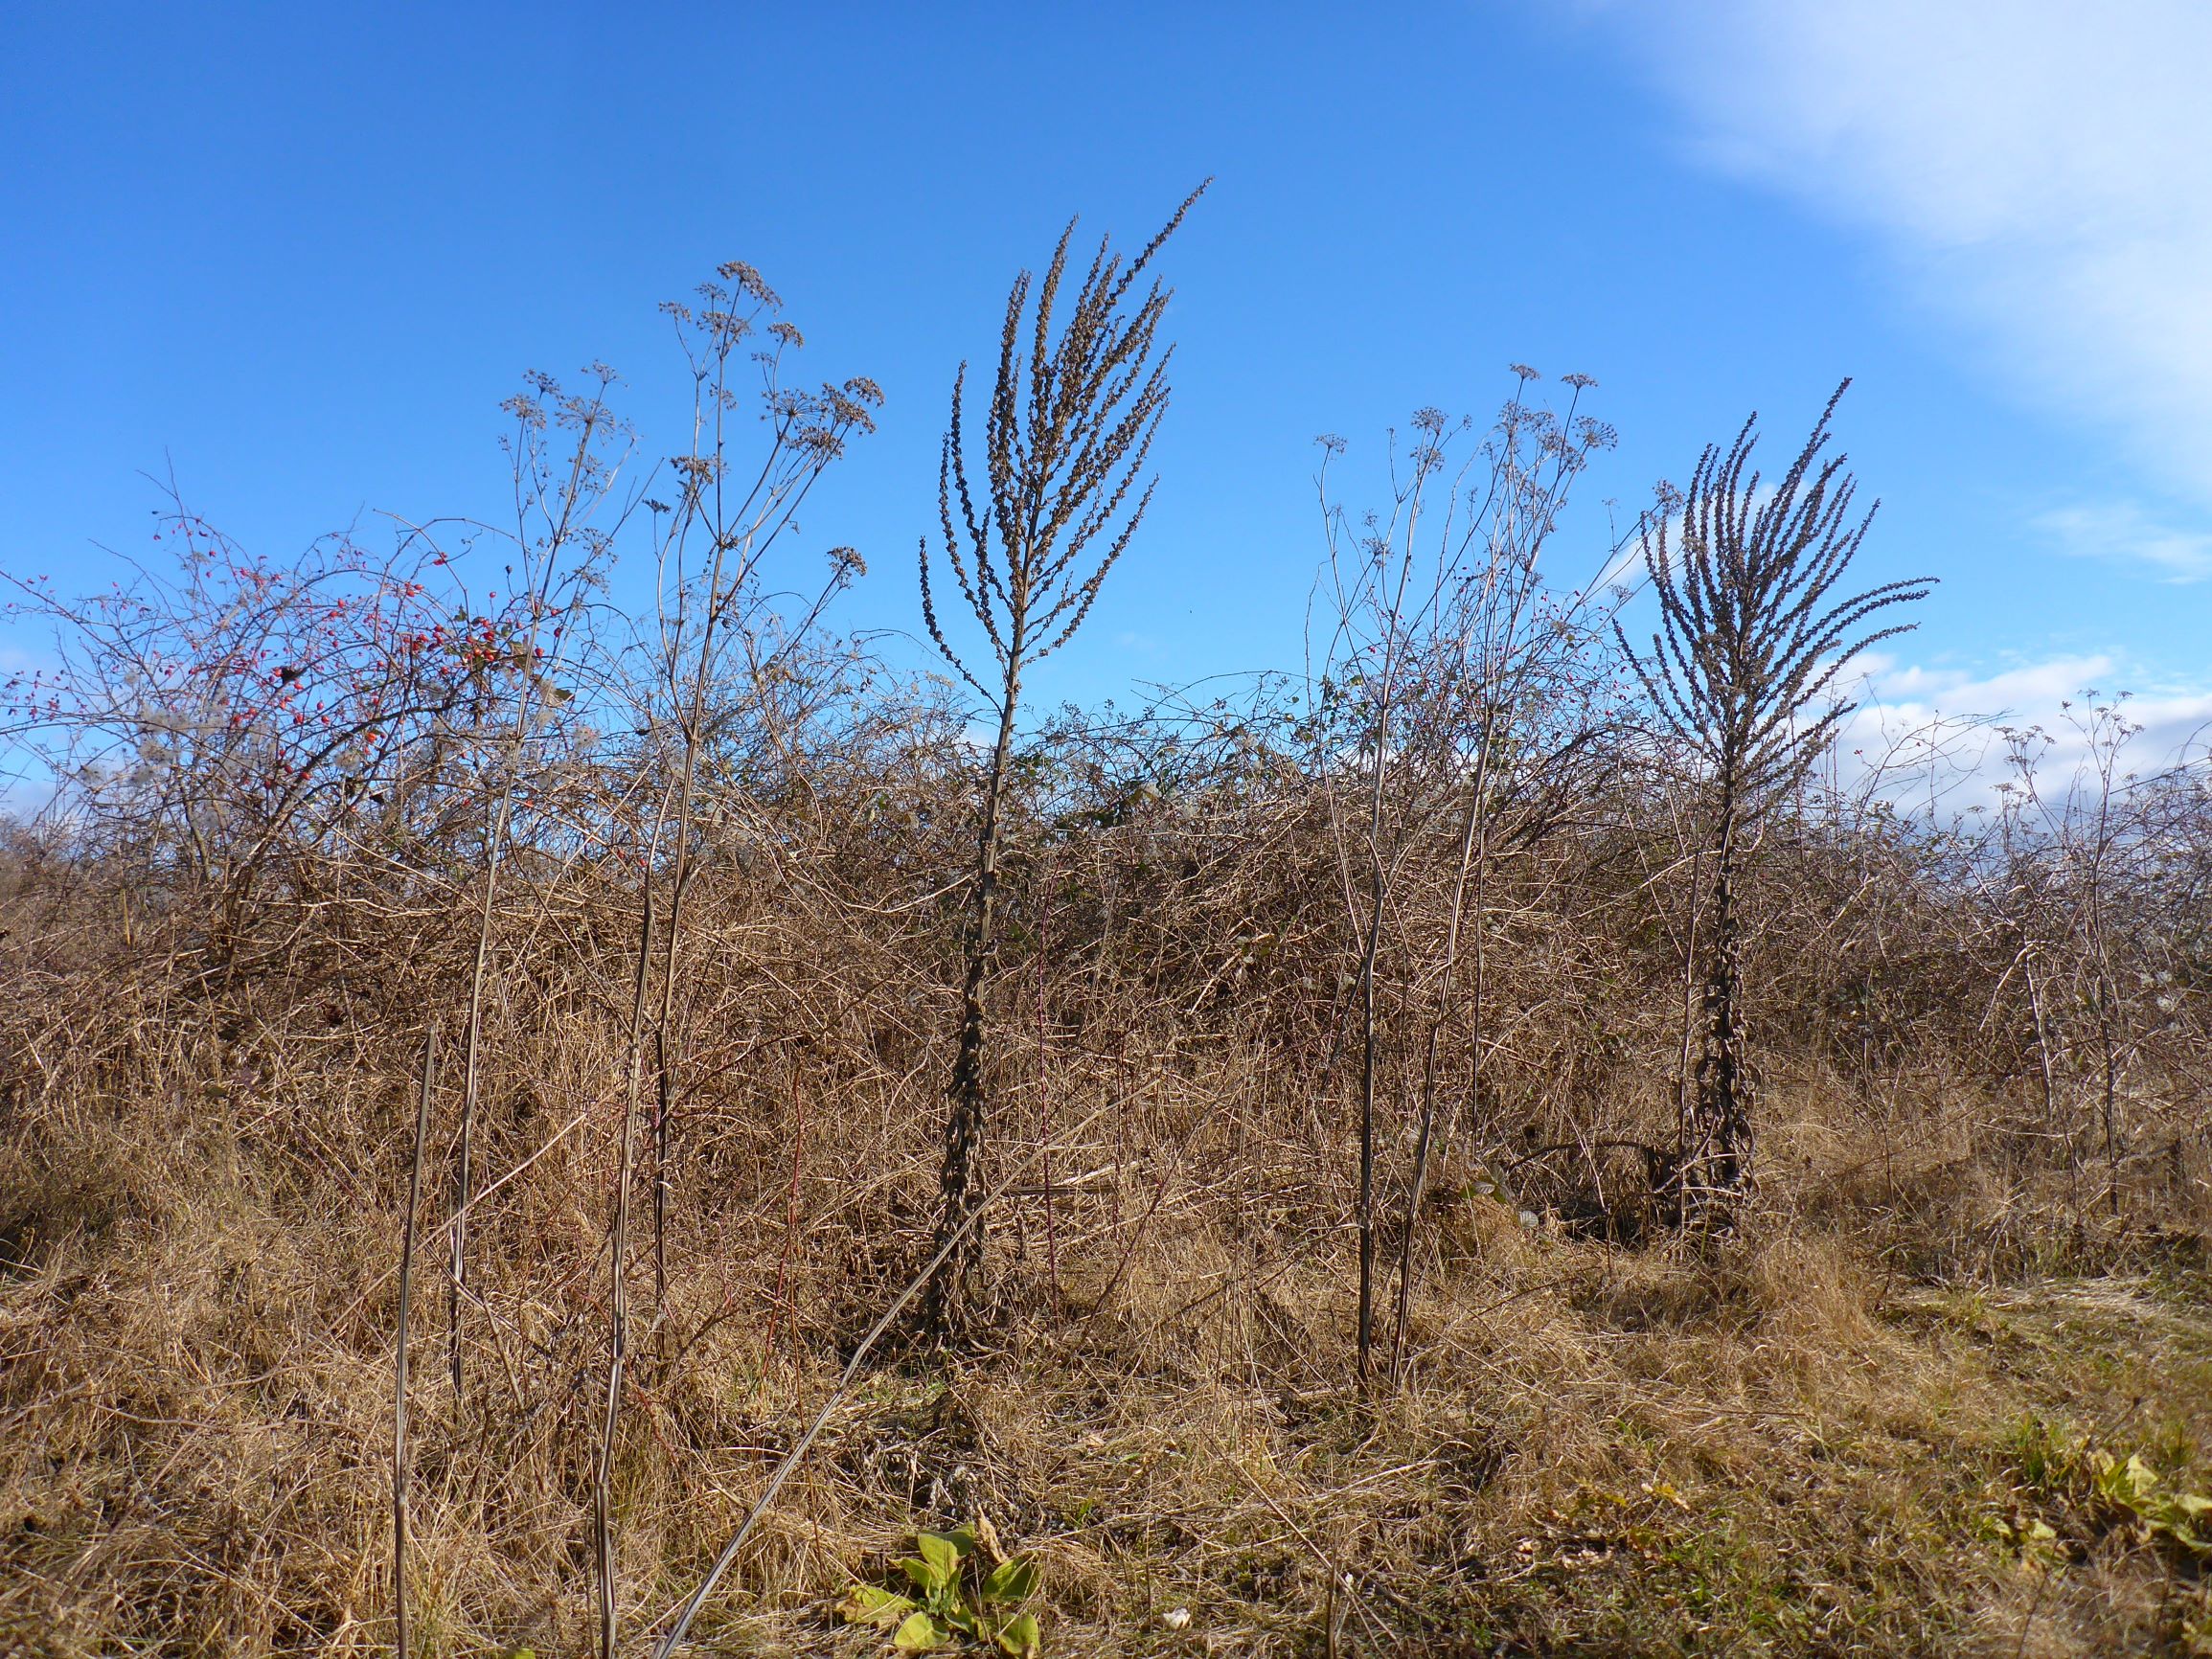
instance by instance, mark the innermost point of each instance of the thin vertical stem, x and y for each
(1044, 1089)
(618, 1283)
(400, 1643)
(571, 499)
(660, 1182)
(1365, 1331)
(2035, 1005)
(779, 1302)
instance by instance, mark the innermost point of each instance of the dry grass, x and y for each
(1837, 1432)
(1779, 1444)
(1256, 1000)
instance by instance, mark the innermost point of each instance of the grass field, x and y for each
(1783, 1444)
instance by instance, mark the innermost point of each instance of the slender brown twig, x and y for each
(400, 1481)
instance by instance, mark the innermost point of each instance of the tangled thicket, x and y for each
(685, 894)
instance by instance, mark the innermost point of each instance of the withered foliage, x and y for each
(1400, 972)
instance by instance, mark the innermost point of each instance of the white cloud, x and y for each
(2041, 171)
(1919, 723)
(2122, 532)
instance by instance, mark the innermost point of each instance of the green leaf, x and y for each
(938, 1567)
(942, 1553)
(924, 1575)
(1014, 1581)
(1020, 1637)
(867, 1604)
(918, 1634)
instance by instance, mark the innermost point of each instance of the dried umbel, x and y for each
(1448, 677)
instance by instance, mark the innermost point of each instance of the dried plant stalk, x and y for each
(400, 1467)
(1066, 442)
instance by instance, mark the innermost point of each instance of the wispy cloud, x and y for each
(2125, 534)
(2038, 170)
(1918, 722)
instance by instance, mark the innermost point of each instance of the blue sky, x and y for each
(299, 254)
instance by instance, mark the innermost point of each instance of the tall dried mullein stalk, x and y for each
(1749, 648)
(1066, 436)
